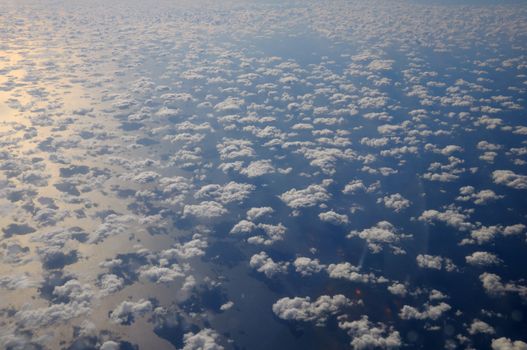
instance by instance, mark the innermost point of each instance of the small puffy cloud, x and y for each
(264, 264)
(368, 335)
(308, 197)
(435, 262)
(230, 192)
(205, 339)
(482, 259)
(230, 105)
(307, 266)
(395, 201)
(507, 344)
(381, 233)
(255, 213)
(110, 283)
(378, 64)
(204, 210)
(244, 226)
(485, 234)
(494, 286)
(398, 289)
(468, 193)
(303, 309)
(333, 218)
(126, 311)
(478, 326)
(110, 345)
(429, 312)
(273, 233)
(162, 274)
(451, 217)
(351, 273)
(258, 168)
(510, 179)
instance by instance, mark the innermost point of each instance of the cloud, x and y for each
(510, 179)
(244, 226)
(351, 273)
(494, 286)
(451, 217)
(478, 326)
(333, 218)
(483, 197)
(230, 192)
(308, 197)
(307, 266)
(507, 344)
(483, 259)
(258, 168)
(433, 262)
(381, 233)
(204, 210)
(205, 339)
(368, 335)
(398, 289)
(255, 213)
(431, 312)
(395, 201)
(264, 264)
(126, 311)
(303, 309)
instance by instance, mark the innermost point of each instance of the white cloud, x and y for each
(432, 312)
(303, 309)
(381, 233)
(308, 197)
(435, 262)
(368, 335)
(255, 213)
(333, 218)
(478, 326)
(510, 179)
(483, 259)
(395, 201)
(307, 266)
(126, 311)
(205, 339)
(204, 210)
(264, 264)
(507, 344)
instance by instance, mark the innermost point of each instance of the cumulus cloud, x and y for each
(307, 266)
(351, 273)
(451, 217)
(508, 344)
(435, 262)
(478, 326)
(256, 213)
(380, 234)
(204, 210)
(494, 286)
(205, 339)
(483, 259)
(126, 311)
(396, 202)
(308, 197)
(264, 264)
(431, 312)
(365, 334)
(468, 193)
(303, 309)
(333, 218)
(510, 179)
